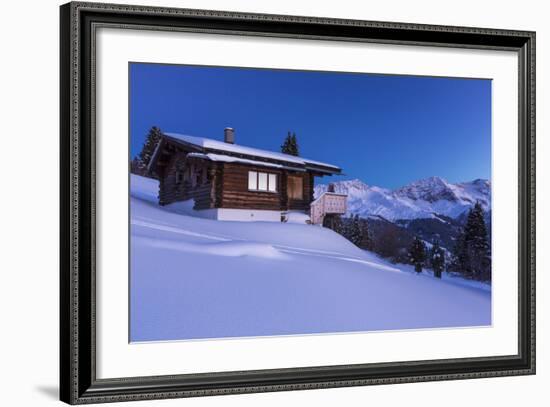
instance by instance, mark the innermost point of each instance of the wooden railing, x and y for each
(327, 203)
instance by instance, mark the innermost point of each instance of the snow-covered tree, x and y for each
(290, 145)
(437, 259)
(417, 254)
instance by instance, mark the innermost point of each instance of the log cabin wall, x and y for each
(188, 178)
(225, 185)
(235, 193)
(169, 190)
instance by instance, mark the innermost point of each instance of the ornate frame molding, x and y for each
(77, 173)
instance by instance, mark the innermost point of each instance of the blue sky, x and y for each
(385, 130)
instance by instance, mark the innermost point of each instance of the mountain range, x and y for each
(428, 198)
(431, 208)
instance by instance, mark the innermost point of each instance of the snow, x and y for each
(451, 278)
(230, 159)
(297, 217)
(421, 199)
(197, 278)
(235, 148)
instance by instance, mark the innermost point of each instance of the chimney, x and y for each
(229, 135)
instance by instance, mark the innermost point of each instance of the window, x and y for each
(262, 181)
(272, 184)
(295, 188)
(252, 180)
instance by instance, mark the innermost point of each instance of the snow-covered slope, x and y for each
(420, 199)
(199, 278)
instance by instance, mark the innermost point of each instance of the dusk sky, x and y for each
(385, 130)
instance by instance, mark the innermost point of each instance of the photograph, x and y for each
(274, 202)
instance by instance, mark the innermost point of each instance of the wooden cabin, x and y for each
(232, 182)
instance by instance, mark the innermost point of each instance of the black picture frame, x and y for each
(78, 382)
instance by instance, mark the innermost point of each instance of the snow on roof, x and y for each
(231, 159)
(235, 148)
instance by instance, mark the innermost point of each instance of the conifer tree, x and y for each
(476, 244)
(366, 241)
(437, 258)
(417, 254)
(141, 161)
(356, 230)
(295, 145)
(459, 256)
(150, 145)
(350, 228)
(345, 228)
(334, 222)
(290, 145)
(471, 255)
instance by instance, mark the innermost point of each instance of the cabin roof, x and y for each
(232, 159)
(206, 144)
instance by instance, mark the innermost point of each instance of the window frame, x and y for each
(268, 177)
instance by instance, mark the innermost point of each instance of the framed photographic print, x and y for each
(255, 203)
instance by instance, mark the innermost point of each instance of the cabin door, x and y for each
(295, 188)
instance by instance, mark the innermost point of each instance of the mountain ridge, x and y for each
(425, 198)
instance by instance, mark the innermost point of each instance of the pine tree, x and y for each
(357, 230)
(150, 145)
(290, 145)
(476, 244)
(460, 262)
(351, 229)
(437, 259)
(366, 241)
(295, 145)
(286, 148)
(417, 254)
(471, 255)
(334, 222)
(345, 228)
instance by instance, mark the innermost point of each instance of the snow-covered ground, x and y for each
(198, 278)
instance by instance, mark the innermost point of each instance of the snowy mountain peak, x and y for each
(420, 199)
(354, 184)
(429, 189)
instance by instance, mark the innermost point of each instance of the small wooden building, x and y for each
(232, 182)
